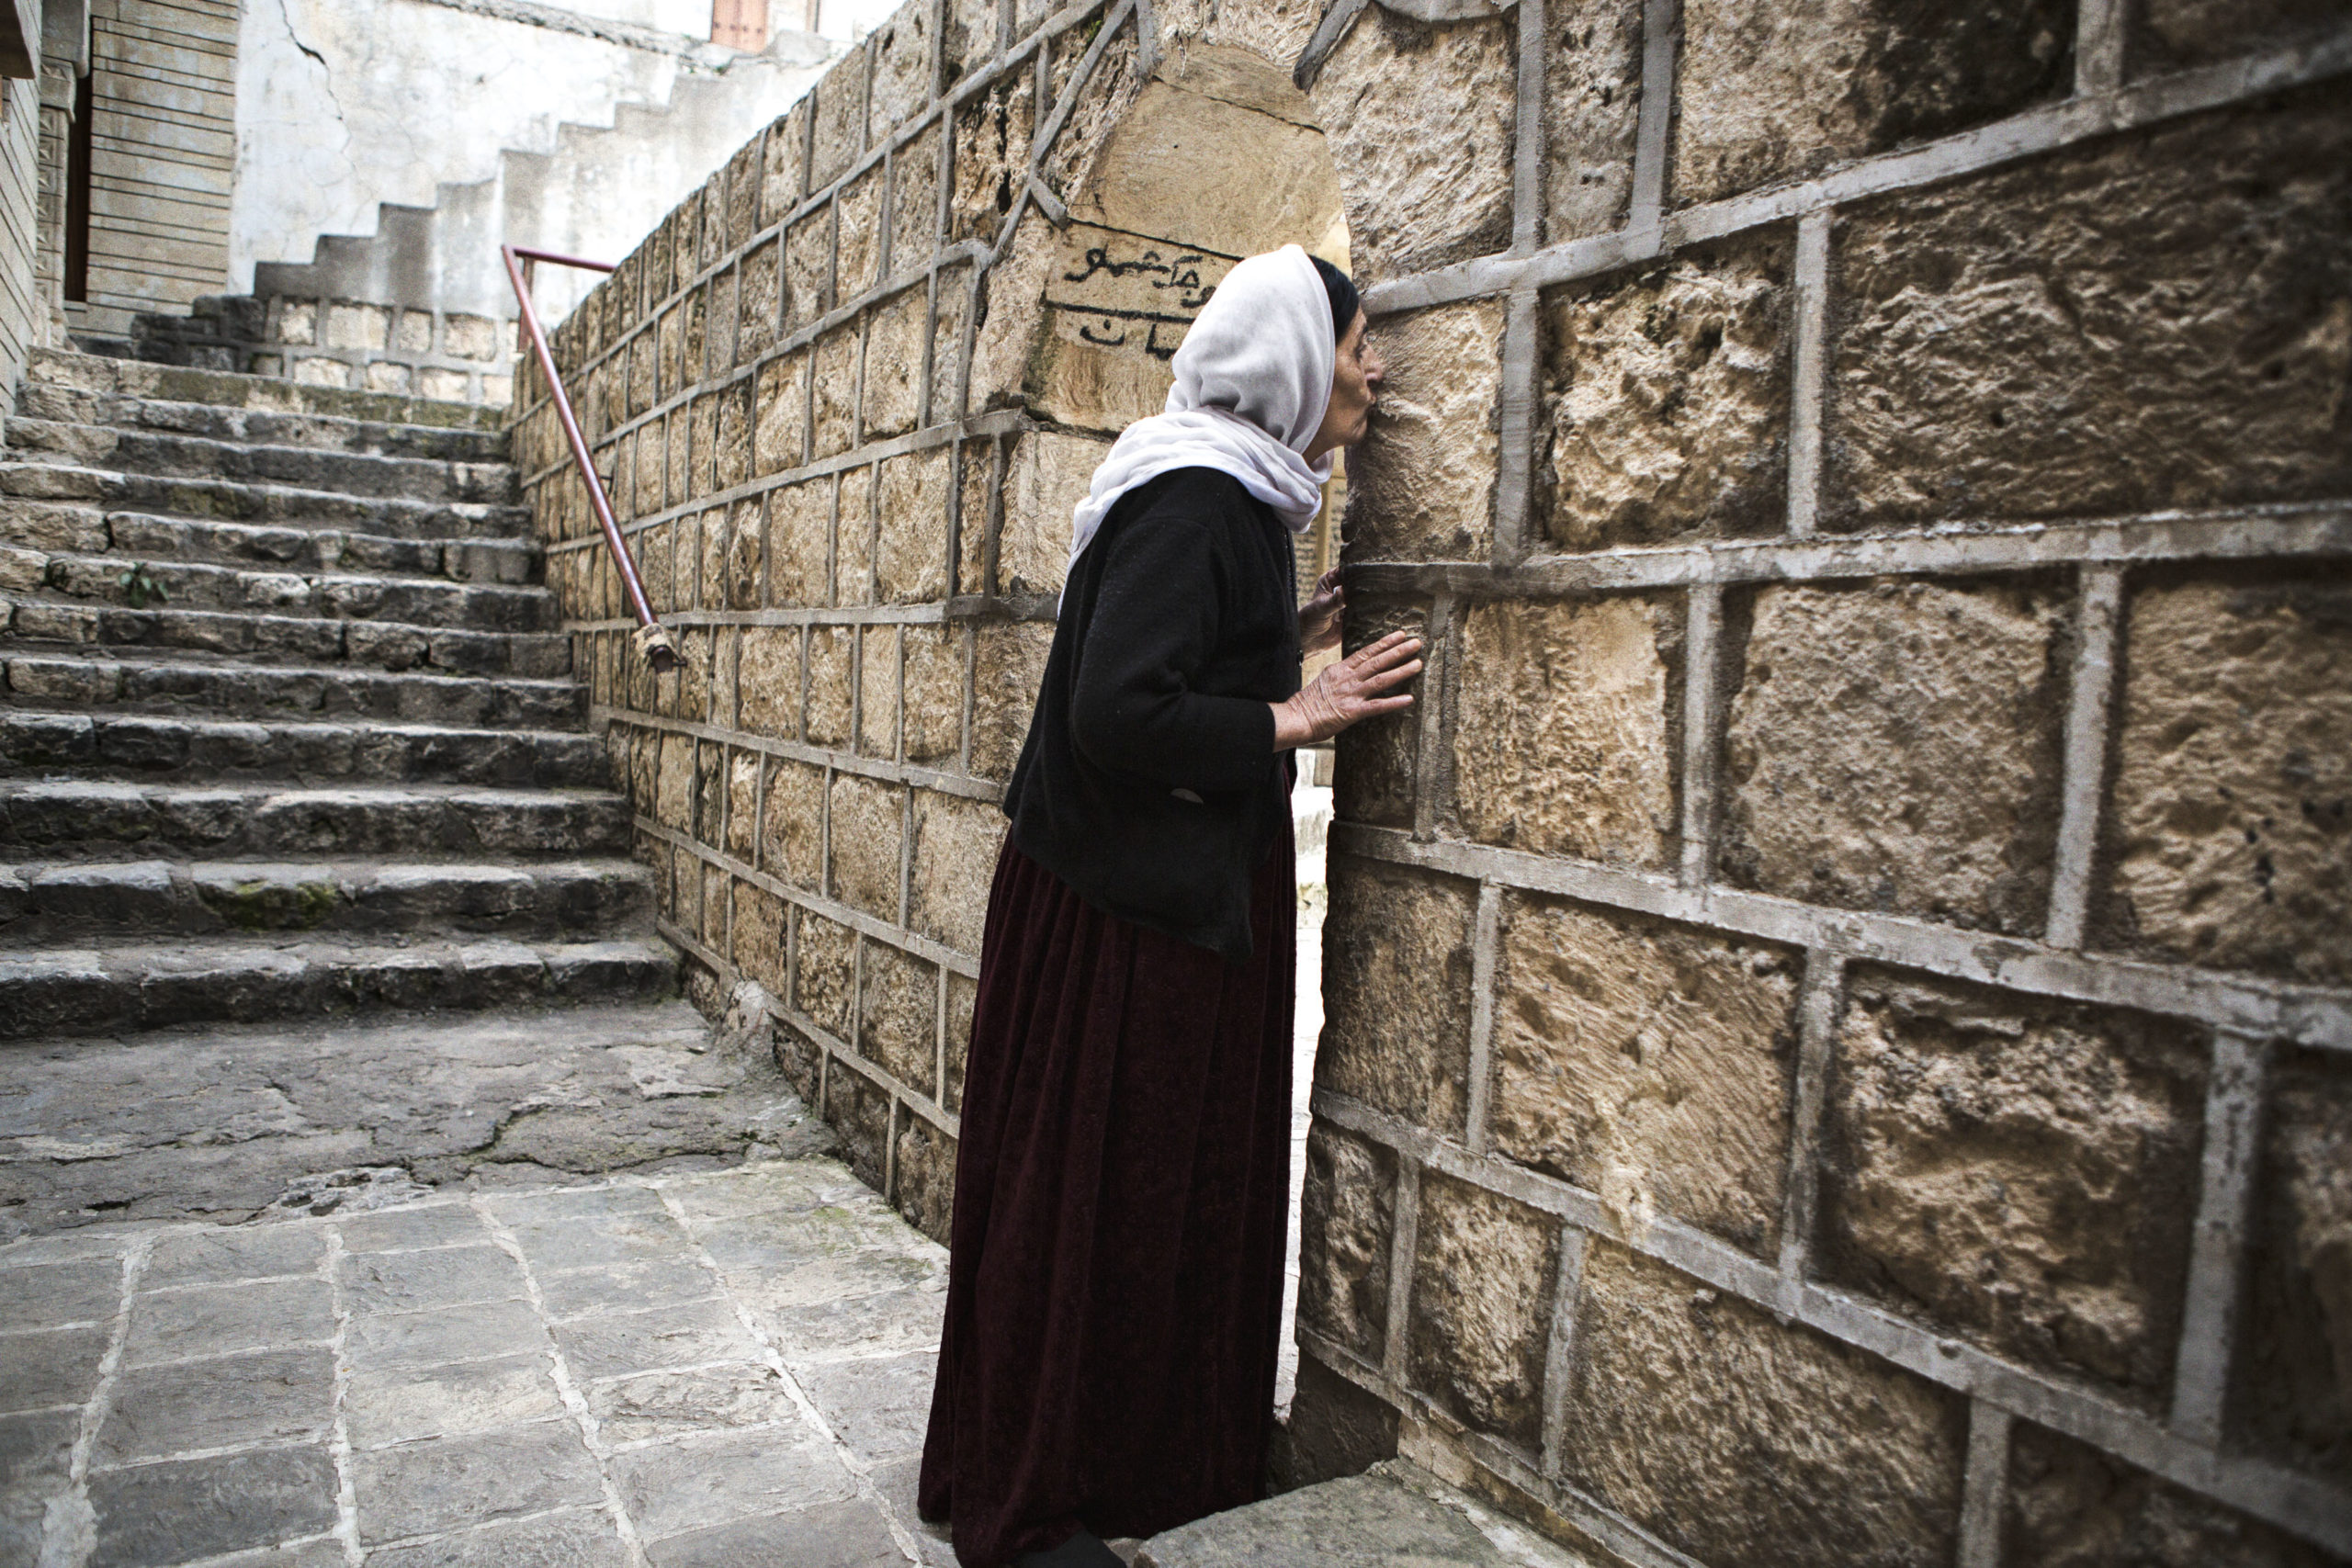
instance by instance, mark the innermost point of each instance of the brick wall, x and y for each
(1838, 995)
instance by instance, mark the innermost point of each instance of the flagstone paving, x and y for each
(721, 1368)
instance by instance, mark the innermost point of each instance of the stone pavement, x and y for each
(724, 1368)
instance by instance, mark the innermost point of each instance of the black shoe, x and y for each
(1084, 1549)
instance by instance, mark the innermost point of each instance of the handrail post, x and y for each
(653, 637)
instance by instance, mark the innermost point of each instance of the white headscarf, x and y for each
(1252, 378)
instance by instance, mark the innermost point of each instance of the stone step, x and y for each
(52, 528)
(108, 989)
(218, 750)
(386, 645)
(102, 817)
(49, 902)
(244, 501)
(168, 383)
(324, 432)
(167, 454)
(281, 691)
(1396, 1514)
(203, 585)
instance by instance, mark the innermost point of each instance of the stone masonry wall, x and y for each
(1838, 997)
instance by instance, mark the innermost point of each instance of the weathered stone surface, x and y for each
(767, 676)
(1397, 1517)
(378, 1342)
(1272, 182)
(854, 526)
(2293, 1398)
(52, 1294)
(1771, 93)
(228, 1402)
(1375, 763)
(1592, 104)
(59, 1367)
(1347, 1221)
(857, 218)
(731, 1475)
(1421, 131)
(2069, 1504)
(176, 1325)
(1650, 1064)
(914, 203)
(823, 987)
(956, 846)
(1668, 395)
(808, 267)
(218, 1257)
(1996, 355)
(896, 331)
(900, 64)
(1008, 661)
(405, 1404)
(793, 839)
(840, 120)
(2232, 837)
(162, 1513)
(1483, 1283)
(2171, 33)
(831, 1535)
(878, 1405)
(799, 548)
(413, 1282)
(860, 1111)
(1564, 739)
(1335, 1429)
(454, 1482)
(2025, 1173)
(618, 1344)
(866, 824)
(1860, 709)
(993, 136)
(831, 652)
(1420, 486)
(36, 1465)
(910, 554)
(577, 1538)
(926, 1171)
(1748, 1444)
(833, 392)
(931, 718)
(899, 1018)
(1047, 475)
(1397, 990)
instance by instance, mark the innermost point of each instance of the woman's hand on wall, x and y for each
(1358, 687)
(1319, 619)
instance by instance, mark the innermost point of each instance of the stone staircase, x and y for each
(289, 727)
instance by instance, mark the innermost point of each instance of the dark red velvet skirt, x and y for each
(1115, 1295)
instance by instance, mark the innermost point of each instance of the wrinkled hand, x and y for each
(1319, 619)
(1354, 689)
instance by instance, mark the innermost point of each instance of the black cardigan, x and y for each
(1150, 780)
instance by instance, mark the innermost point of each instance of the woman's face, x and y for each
(1355, 387)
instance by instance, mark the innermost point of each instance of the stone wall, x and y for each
(451, 356)
(1838, 995)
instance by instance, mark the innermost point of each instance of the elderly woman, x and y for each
(1114, 1293)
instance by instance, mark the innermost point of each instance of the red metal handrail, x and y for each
(652, 639)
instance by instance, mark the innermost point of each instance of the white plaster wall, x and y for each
(342, 105)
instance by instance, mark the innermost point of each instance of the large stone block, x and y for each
(793, 834)
(1748, 1443)
(861, 1113)
(759, 935)
(808, 267)
(1274, 186)
(799, 548)
(1117, 307)
(1997, 354)
(826, 963)
(914, 203)
(831, 661)
(878, 691)
(1375, 761)
(931, 719)
(1593, 94)
(1421, 122)
(2020, 1172)
(1422, 485)
(910, 552)
(1396, 984)
(900, 64)
(1347, 1226)
(840, 120)
(1668, 396)
(854, 529)
(1484, 1276)
(767, 676)
(857, 218)
(865, 827)
(992, 135)
(674, 802)
(898, 1022)
(2293, 1394)
(1564, 739)
(2168, 34)
(1775, 93)
(832, 392)
(926, 1170)
(1861, 709)
(2230, 843)
(955, 847)
(1648, 1063)
(2070, 1503)
(1047, 476)
(1008, 661)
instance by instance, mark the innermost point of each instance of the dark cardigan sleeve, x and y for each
(1164, 588)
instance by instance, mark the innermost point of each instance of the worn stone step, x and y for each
(105, 989)
(77, 680)
(105, 817)
(50, 528)
(267, 427)
(1396, 1514)
(139, 379)
(204, 585)
(386, 645)
(62, 901)
(167, 453)
(223, 751)
(249, 501)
